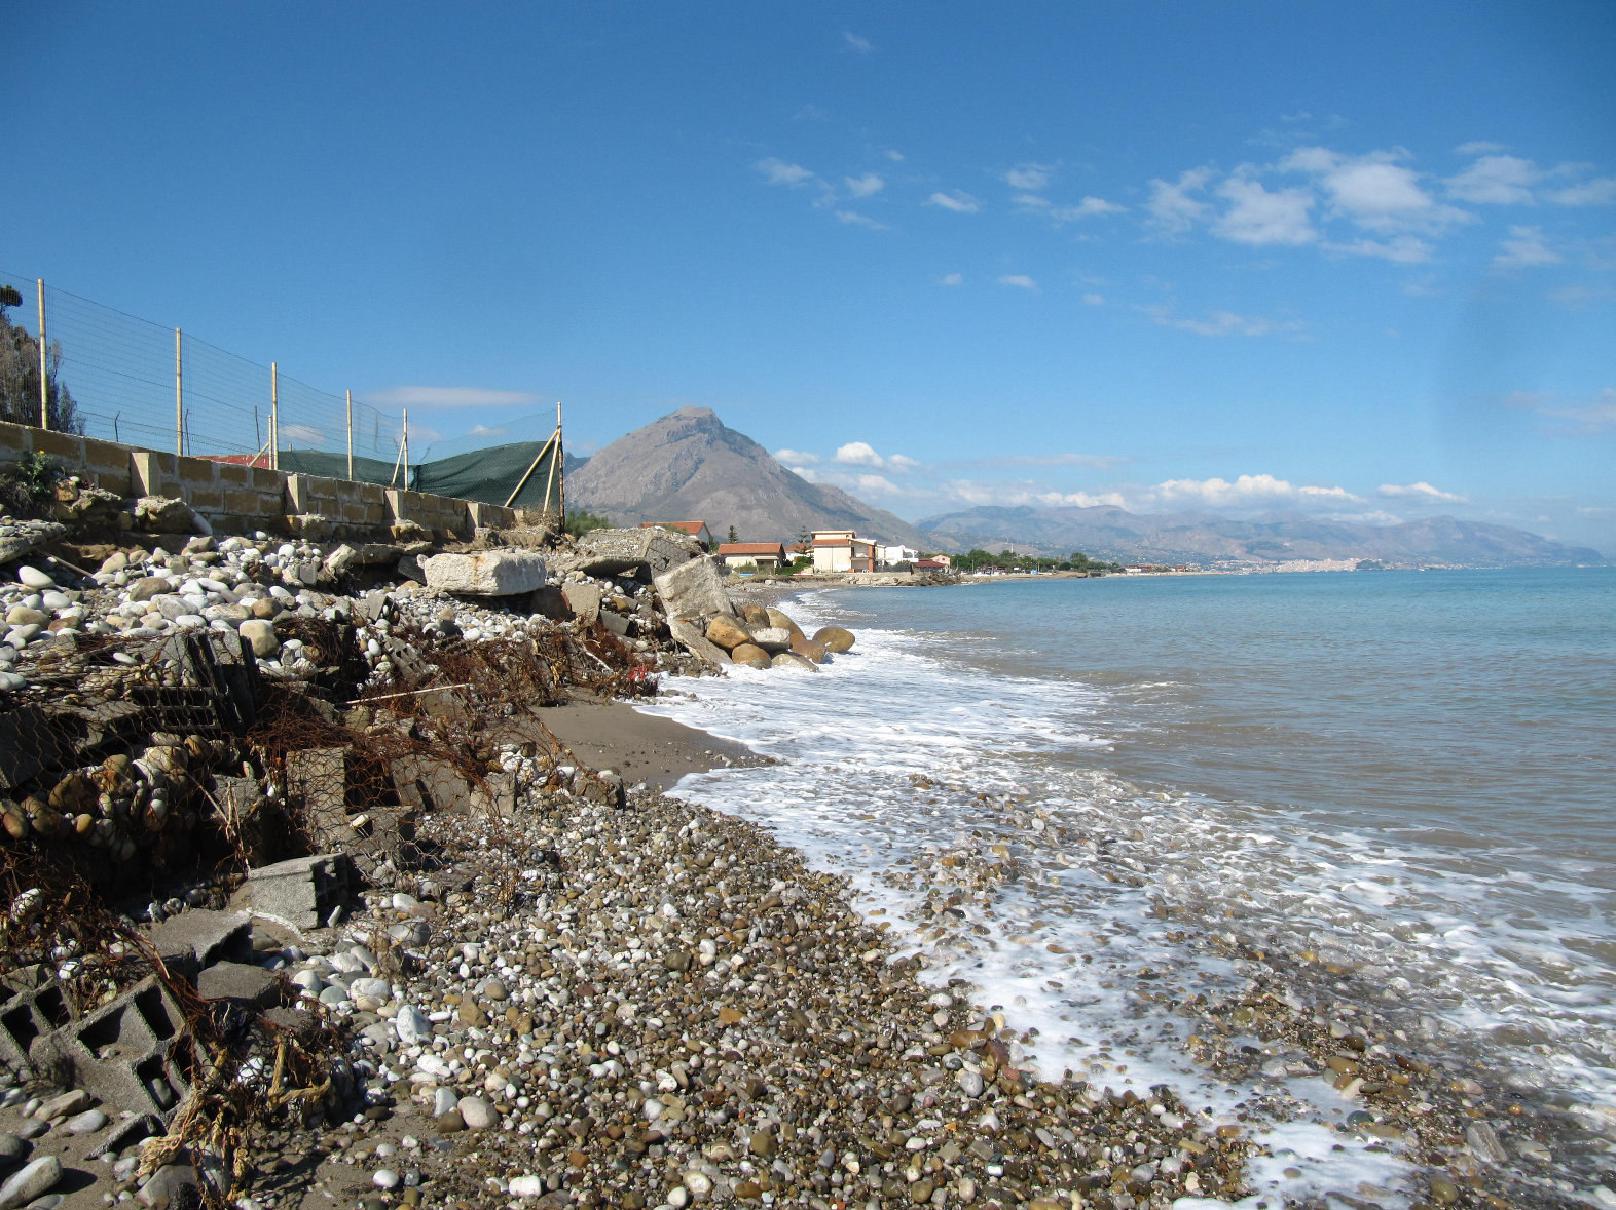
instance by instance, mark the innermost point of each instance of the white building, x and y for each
(839, 551)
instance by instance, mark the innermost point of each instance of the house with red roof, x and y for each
(695, 529)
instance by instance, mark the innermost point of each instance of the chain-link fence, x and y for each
(117, 376)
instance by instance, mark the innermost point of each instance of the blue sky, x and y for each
(1353, 259)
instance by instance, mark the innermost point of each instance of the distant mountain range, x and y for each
(690, 466)
(1114, 533)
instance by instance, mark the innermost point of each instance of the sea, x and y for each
(1095, 801)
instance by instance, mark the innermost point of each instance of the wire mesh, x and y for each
(135, 381)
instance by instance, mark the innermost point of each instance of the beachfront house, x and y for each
(696, 529)
(891, 556)
(839, 551)
(752, 556)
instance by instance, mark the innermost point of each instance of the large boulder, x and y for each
(163, 515)
(834, 639)
(776, 618)
(487, 573)
(751, 655)
(804, 646)
(792, 661)
(693, 590)
(727, 633)
(754, 614)
(773, 639)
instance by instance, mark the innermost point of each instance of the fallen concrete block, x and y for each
(298, 894)
(583, 600)
(488, 573)
(610, 552)
(689, 636)
(693, 590)
(122, 1054)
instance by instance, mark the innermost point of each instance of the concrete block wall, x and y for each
(343, 500)
(104, 461)
(241, 498)
(493, 516)
(439, 514)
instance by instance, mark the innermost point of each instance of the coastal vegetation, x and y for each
(979, 560)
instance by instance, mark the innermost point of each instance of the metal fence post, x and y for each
(348, 399)
(406, 484)
(274, 416)
(179, 396)
(44, 360)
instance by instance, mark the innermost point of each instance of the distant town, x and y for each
(842, 552)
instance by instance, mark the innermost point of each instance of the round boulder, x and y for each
(261, 634)
(727, 633)
(754, 614)
(776, 618)
(834, 639)
(789, 659)
(804, 646)
(751, 655)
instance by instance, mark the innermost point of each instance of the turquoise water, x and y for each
(1410, 775)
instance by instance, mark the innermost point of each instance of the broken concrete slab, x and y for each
(583, 600)
(198, 938)
(689, 636)
(488, 573)
(694, 590)
(239, 981)
(610, 552)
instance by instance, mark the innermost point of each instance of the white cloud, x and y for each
(1094, 300)
(958, 202)
(1089, 207)
(449, 397)
(1247, 490)
(1171, 209)
(859, 453)
(1525, 249)
(853, 218)
(1419, 491)
(876, 485)
(485, 430)
(1019, 280)
(867, 185)
(795, 458)
(862, 453)
(1082, 500)
(893, 154)
(1590, 193)
(1225, 323)
(1029, 177)
(779, 172)
(951, 279)
(1496, 180)
(1479, 148)
(857, 44)
(1375, 191)
(1400, 249)
(1260, 216)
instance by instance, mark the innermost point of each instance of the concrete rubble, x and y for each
(230, 770)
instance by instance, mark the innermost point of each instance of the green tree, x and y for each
(19, 374)
(732, 537)
(580, 523)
